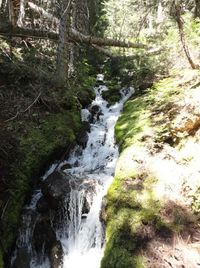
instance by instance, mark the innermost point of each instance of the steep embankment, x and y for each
(152, 207)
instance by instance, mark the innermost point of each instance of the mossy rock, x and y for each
(112, 95)
(55, 133)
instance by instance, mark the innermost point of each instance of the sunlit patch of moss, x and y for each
(132, 206)
(141, 114)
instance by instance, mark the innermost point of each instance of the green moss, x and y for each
(141, 114)
(131, 203)
(54, 132)
(1, 260)
(112, 95)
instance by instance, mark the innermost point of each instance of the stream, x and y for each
(61, 226)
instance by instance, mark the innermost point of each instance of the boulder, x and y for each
(23, 259)
(42, 205)
(44, 236)
(82, 139)
(66, 166)
(96, 112)
(86, 206)
(56, 255)
(86, 126)
(55, 188)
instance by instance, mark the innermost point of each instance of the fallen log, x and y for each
(73, 35)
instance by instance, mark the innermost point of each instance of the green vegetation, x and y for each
(36, 133)
(143, 111)
(133, 212)
(41, 143)
(1, 260)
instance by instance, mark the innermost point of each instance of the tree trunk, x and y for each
(74, 36)
(11, 11)
(20, 21)
(197, 9)
(63, 45)
(71, 53)
(182, 36)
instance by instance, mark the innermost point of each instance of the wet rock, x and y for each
(96, 112)
(86, 206)
(55, 188)
(44, 236)
(82, 139)
(65, 166)
(56, 255)
(23, 259)
(86, 126)
(42, 205)
(95, 109)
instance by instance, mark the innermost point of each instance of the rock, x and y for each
(42, 205)
(95, 113)
(86, 126)
(82, 139)
(23, 259)
(55, 188)
(95, 109)
(44, 236)
(56, 255)
(66, 166)
(86, 206)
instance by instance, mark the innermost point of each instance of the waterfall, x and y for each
(90, 171)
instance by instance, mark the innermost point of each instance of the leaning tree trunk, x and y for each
(71, 51)
(197, 9)
(182, 36)
(63, 45)
(20, 21)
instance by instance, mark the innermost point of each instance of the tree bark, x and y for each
(20, 21)
(197, 9)
(63, 44)
(74, 36)
(11, 11)
(43, 12)
(182, 37)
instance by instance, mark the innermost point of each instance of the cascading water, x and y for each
(90, 172)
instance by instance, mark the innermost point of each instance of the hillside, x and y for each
(152, 207)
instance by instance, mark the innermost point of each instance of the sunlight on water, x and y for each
(81, 232)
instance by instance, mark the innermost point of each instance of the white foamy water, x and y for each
(92, 169)
(84, 245)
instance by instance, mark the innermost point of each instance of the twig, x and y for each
(32, 103)
(12, 118)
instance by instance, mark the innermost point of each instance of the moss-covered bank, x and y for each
(135, 211)
(39, 123)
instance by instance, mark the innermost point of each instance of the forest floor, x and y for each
(153, 204)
